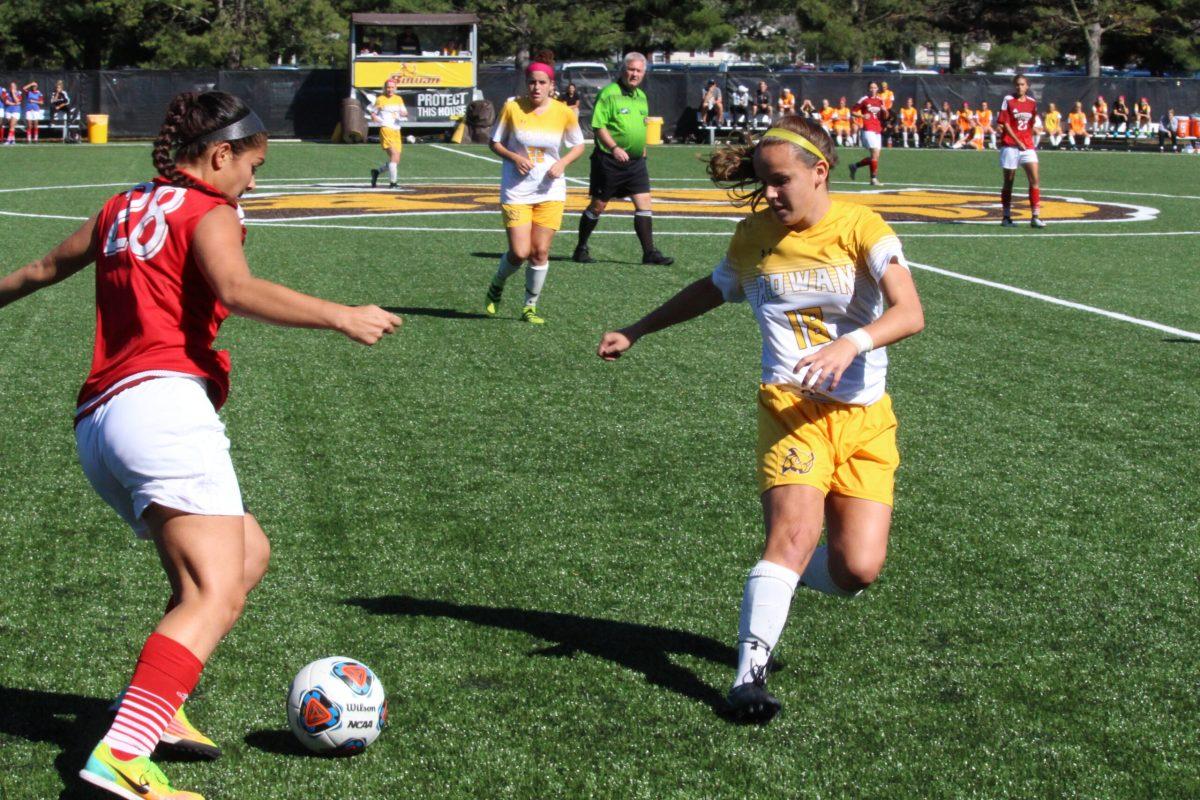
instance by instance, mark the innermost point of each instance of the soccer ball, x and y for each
(336, 706)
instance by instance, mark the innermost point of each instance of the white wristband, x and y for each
(861, 341)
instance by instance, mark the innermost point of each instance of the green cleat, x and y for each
(181, 735)
(136, 779)
(529, 314)
(493, 299)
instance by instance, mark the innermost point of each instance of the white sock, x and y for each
(535, 279)
(504, 270)
(816, 575)
(392, 167)
(765, 603)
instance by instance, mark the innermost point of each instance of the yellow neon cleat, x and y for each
(136, 779)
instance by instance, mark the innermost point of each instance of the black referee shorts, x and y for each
(610, 178)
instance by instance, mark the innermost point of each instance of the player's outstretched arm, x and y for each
(72, 254)
(903, 317)
(691, 301)
(217, 246)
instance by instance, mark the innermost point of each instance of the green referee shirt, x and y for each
(622, 112)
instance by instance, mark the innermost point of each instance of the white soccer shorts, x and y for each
(34, 116)
(1012, 157)
(161, 442)
(871, 140)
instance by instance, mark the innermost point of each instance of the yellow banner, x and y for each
(413, 74)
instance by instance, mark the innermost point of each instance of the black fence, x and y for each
(304, 102)
(291, 102)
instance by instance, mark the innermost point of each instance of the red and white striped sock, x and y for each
(166, 674)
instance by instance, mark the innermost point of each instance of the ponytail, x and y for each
(732, 167)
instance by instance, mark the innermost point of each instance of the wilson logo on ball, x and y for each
(318, 713)
(355, 676)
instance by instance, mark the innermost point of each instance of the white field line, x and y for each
(576, 181)
(1043, 235)
(926, 267)
(40, 216)
(1058, 301)
(334, 217)
(988, 189)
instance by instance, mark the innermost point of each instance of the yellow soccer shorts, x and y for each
(837, 448)
(390, 139)
(546, 214)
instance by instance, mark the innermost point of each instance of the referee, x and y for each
(619, 160)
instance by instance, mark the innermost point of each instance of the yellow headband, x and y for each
(796, 139)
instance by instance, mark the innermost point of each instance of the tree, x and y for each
(671, 25)
(518, 27)
(1092, 19)
(859, 29)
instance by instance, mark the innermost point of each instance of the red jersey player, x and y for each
(169, 269)
(1015, 124)
(872, 110)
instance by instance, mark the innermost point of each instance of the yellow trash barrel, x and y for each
(654, 130)
(97, 125)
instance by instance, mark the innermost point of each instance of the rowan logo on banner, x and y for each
(371, 75)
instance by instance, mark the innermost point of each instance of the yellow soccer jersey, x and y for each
(540, 137)
(390, 109)
(808, 288)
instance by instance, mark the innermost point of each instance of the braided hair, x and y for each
(190, 116)
(732, 166)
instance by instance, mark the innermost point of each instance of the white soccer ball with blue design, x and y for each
(337, 706)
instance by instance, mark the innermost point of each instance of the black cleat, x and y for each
(393, 185)
(374, 178)
(752, 703)
(655, 257)
(582, 256)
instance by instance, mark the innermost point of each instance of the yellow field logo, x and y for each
(896, 205)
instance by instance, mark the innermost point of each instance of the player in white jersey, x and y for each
(829, 286)
(389, 112)
(530, 136)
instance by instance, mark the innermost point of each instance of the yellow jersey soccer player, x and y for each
(530, 136)
(829, 286)
(389, 111)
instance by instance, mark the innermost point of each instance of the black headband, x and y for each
(244, 127)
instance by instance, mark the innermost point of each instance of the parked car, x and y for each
(744, 66)
(584, 73)
(789, 69)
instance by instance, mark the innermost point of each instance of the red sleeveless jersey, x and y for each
(1018, 116)
(155, 309)
(872, 110)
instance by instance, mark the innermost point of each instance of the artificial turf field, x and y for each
(542, 555)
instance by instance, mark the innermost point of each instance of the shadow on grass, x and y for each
(441, 313)
(496, 256)
(277, 742)
(71, 722)
(644, 648)
(1181, 340)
